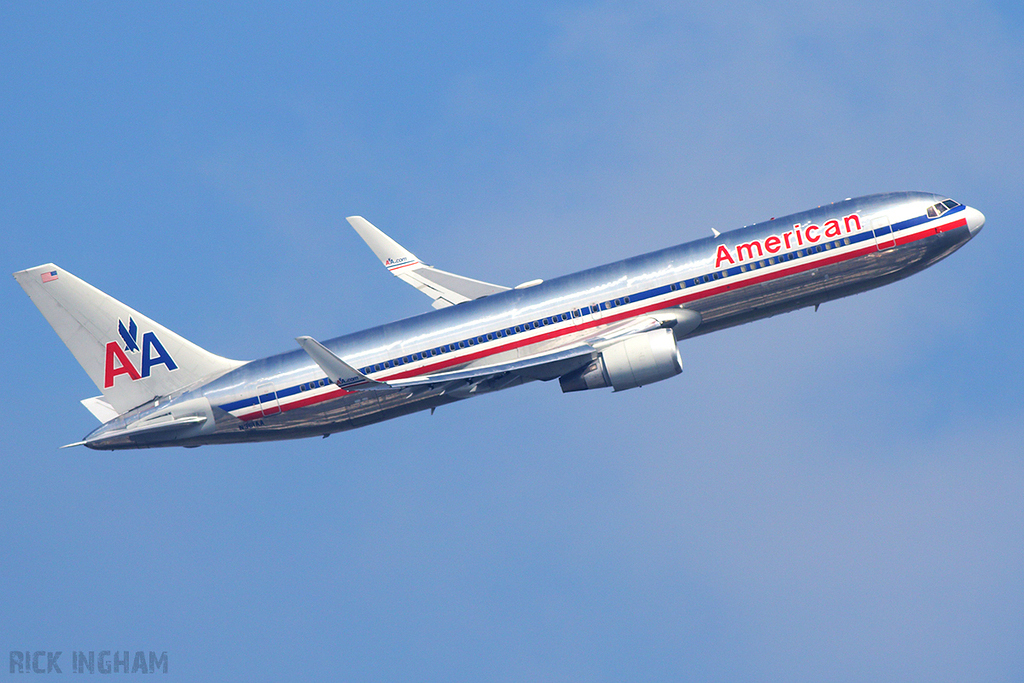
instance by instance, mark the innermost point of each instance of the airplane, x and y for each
(614, 326)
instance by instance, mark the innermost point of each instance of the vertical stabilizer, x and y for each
(131, 358)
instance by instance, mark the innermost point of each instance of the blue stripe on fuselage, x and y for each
(663, 290)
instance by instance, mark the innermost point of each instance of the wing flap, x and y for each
(542, 366)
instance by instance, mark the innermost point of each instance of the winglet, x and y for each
(339, 372)
(446, 289)
(392, 254)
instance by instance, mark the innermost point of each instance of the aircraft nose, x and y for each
(975, 220)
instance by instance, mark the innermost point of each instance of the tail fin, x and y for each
(131, 358)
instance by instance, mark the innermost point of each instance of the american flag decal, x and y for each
(50, 277)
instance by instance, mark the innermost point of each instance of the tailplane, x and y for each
(131, 358)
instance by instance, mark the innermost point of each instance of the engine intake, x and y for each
(633, 362)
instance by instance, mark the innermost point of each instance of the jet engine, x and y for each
(633, 362)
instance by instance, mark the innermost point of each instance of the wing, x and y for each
(446, 289)
(545, 364)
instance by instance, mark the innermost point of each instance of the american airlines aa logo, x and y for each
(118, 362)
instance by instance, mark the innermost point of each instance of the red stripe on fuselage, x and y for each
(301, 403)
(608, 319)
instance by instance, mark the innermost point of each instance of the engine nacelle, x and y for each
(633, 362)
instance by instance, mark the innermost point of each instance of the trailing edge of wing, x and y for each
(446, 289)
(542, 366)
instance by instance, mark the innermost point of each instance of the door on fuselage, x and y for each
(268, 399)
(884, 237)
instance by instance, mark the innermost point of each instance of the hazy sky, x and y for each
(820, 496)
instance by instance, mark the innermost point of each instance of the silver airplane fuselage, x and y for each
(568, 323)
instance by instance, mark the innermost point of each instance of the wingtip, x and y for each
(28, 271)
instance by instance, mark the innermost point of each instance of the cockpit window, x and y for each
(936, 210)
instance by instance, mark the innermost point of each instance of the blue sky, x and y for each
(830, 495)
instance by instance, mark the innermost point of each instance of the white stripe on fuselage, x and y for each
(574, 330)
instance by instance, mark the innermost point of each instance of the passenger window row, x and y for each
(793, 255)
(596, 308)
(472, 341)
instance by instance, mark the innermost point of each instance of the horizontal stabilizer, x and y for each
(100, 409)
(446, 289)
(164, 426)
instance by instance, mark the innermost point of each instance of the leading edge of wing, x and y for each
(546, 365)
(446, 289)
